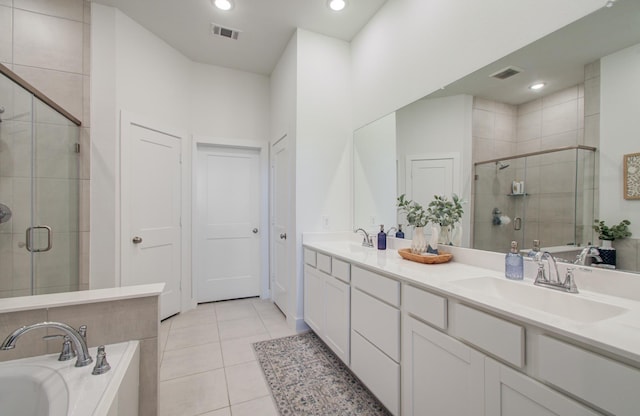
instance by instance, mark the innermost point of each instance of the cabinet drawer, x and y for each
(377, 371)
(341, 270)
(601, 381)
(426, 306)
(377, 322)
(310, 257)
(324, 262)
(503, 339)
(379, 286)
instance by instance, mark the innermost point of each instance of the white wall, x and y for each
(439, 125)
(410, 48)
(228, 103)
(322, 143)
(137, 72)
(374, 175)
(620, 133)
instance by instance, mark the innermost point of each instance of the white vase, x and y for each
(605, 243)
(445, 235)
(418, 242)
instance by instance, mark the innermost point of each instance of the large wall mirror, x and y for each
(531, 164)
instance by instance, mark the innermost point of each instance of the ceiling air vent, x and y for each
(507, 72)
(224, 32)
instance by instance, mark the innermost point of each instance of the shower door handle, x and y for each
(29, 234)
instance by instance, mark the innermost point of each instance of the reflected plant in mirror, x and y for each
(447, 214)
(615, 232)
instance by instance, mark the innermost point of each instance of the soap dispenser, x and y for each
(382, 238)
(514, 263)
(399, 233)
(535, 250)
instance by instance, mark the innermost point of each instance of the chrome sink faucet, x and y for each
(83, 357)
(568, 285)
(366, 242)
(589, 252)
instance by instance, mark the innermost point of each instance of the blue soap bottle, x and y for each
(399, 233)
(514, 263)
(382, 238)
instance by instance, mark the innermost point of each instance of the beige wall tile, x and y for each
(64, 88)
(528, 146)
(85, 117)
(569, 138)
(84, 201)
(8, 3)
(6, 34)
(6, 263)
(560, 118)
(592, 70)
(530, 106)
(56, 44)
(110, 322)
(483, 124)
(87, 11)
(484, 104)
(30, 344)
(559, 97)
(68, 9)
(84, 262)
(84, 170)
(505, 127)
(592, 130)
(149, 369)
(86, 49)
(592, 96)
(529, 126)
(482, 149)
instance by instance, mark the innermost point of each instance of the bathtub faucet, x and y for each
(78, 340)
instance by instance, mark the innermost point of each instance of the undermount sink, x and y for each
(566, 305)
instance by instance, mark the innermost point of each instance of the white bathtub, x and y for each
(44, 386)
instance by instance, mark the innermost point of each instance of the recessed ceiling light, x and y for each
(337, 5)
(223, 4)
(537, 86)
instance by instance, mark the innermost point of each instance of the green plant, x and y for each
(416, 215)
(444, 212)
(615, 232)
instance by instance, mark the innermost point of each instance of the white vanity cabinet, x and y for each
(375, 335)
(440, 375)
(327, 300)
(510, 393)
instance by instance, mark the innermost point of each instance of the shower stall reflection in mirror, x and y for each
(39, 186)
(547, 196)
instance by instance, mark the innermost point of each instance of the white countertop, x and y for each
(80, 297)
(618, 335)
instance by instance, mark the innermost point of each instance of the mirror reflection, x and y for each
(559, 148)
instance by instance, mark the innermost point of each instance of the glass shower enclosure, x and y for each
(546, 196)
(39, 191)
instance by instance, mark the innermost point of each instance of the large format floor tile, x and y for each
(207, 363)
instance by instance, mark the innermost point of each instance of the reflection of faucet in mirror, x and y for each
(366, 242)
(588, 252)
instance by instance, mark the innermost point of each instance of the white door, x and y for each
(429, 176)
(151, 209)
(228, 217)
(279, 223)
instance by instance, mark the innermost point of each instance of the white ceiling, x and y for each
(557, 59)
(265, 25)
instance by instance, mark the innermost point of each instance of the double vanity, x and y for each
(460, 339)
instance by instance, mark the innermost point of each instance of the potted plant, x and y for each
(417, 218)
(608, 234)
(446, 214)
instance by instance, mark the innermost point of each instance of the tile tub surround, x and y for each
(111, 315)
(618, 336)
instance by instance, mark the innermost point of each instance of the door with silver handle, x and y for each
(30, 239)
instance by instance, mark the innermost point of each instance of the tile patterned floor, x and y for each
(207, 364)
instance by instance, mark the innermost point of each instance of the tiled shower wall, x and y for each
(47, 42)
(502, 130)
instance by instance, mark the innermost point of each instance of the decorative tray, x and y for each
(406, 253)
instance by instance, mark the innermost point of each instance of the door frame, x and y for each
(127, 119)
(263, 151)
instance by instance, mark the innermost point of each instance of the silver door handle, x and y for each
(283, 236)
(255, 231)
(136, 240)
(30, 231)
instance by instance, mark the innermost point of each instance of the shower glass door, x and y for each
(39, 190)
